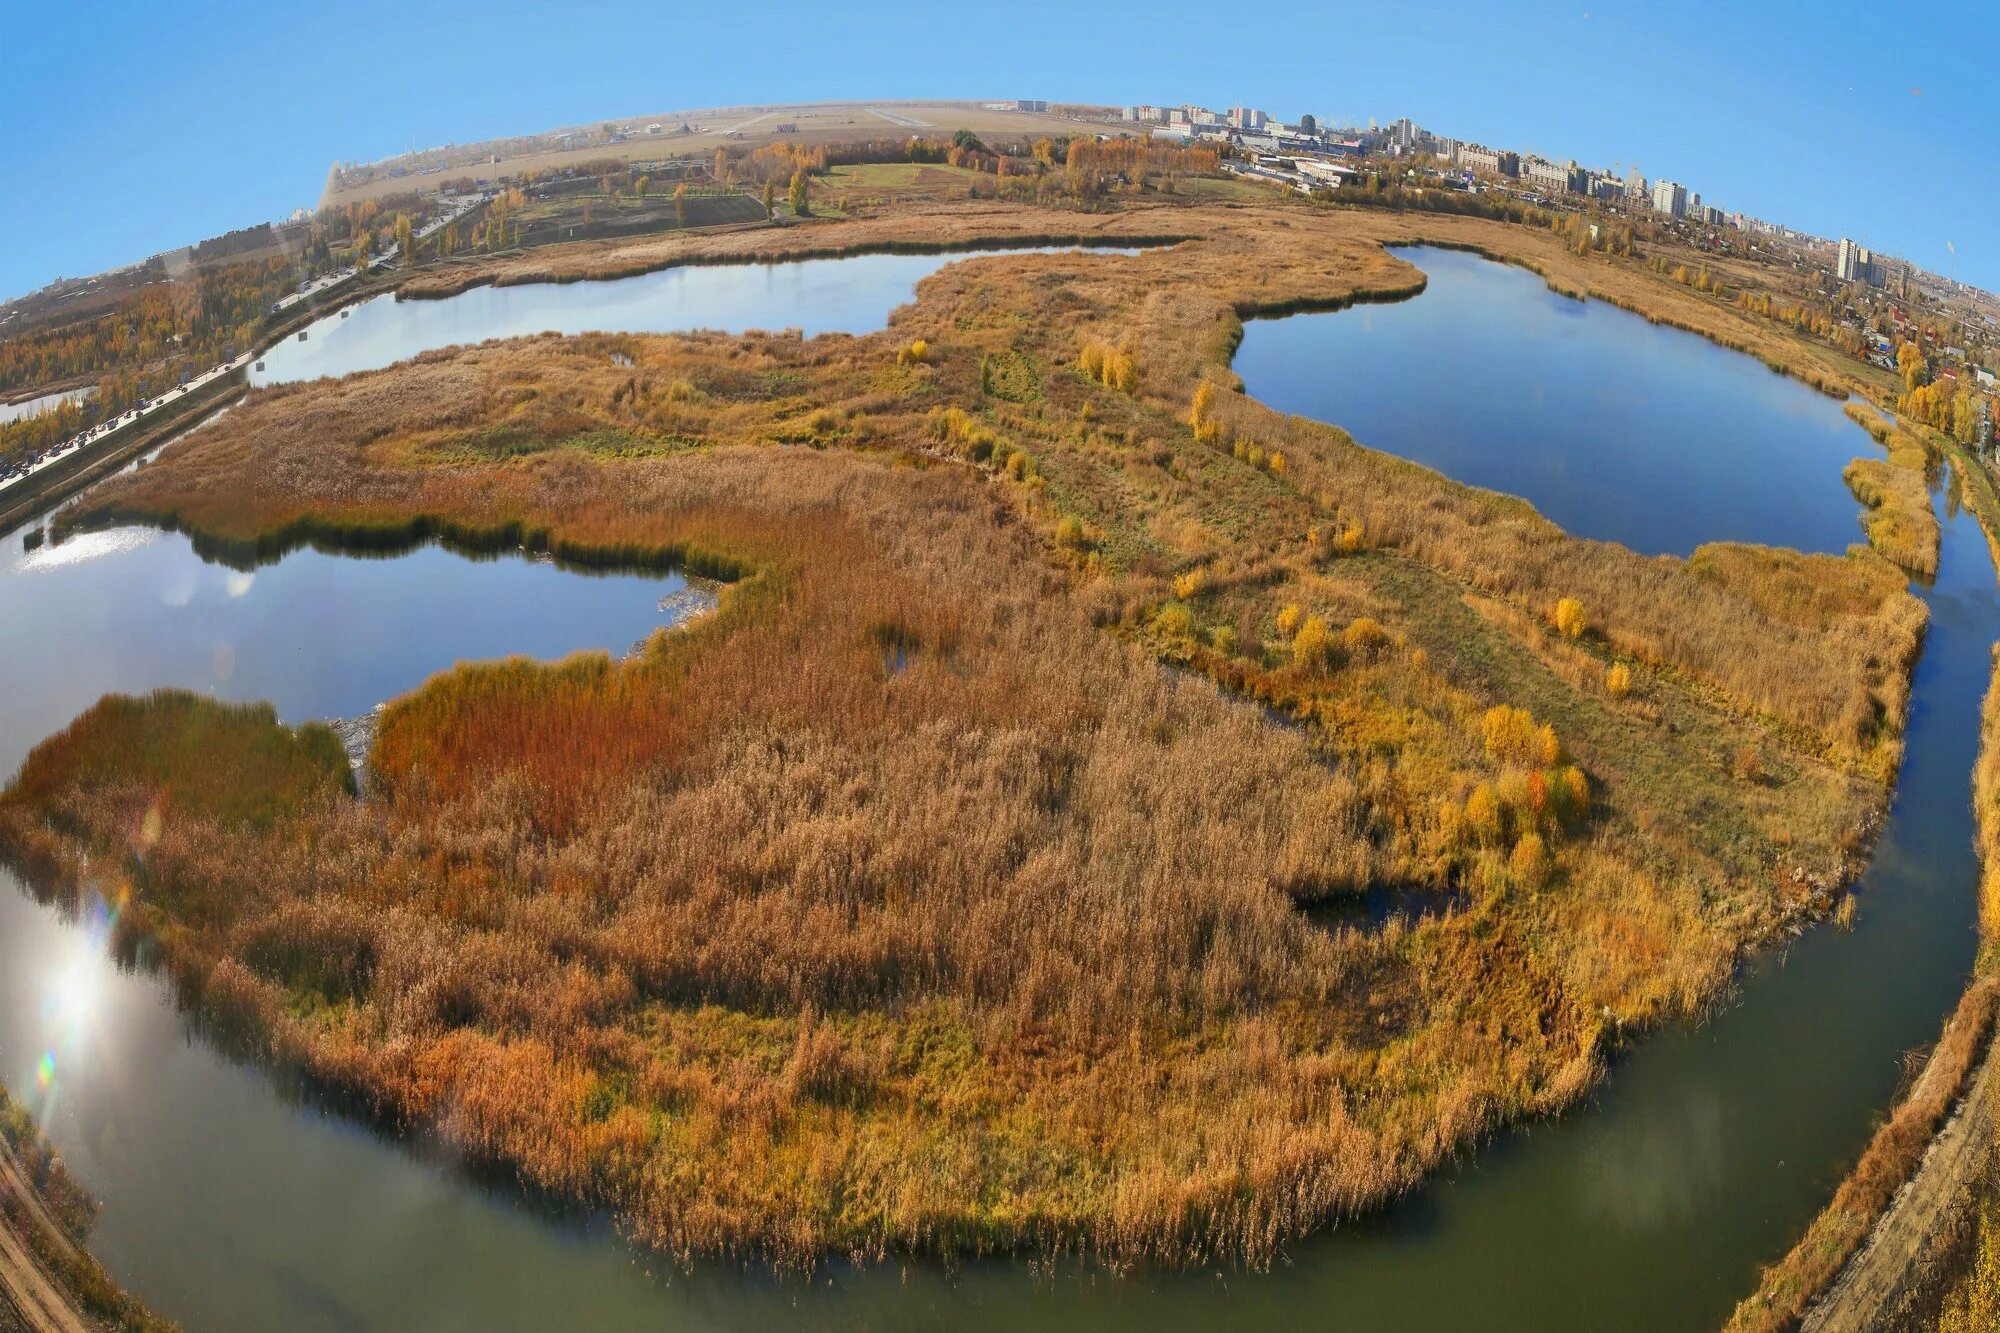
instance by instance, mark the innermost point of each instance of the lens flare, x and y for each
(76, 988)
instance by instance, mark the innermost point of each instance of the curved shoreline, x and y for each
(761, 261)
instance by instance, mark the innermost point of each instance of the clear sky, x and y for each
(127, 128)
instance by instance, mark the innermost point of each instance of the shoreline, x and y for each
(48, 1279)
(259, 543)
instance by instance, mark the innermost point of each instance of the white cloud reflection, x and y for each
(86, 546)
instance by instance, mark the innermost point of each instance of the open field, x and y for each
(908, 903)
(592, 217)
(728, 127)
(936, 179)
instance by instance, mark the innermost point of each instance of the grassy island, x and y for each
(1004, 865)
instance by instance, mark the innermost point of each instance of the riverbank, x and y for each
(998, 506)
(48, 1282)
(1885, 1252)
(43, 490)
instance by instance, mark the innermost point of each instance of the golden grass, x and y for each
(907, 903)
(1900, 522)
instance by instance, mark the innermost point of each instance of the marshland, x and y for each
(908, 907)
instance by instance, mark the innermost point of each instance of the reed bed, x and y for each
(994, 870)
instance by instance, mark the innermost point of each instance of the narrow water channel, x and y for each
(850, 295)
(233, 1205)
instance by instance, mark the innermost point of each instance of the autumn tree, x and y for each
(796, 195)
(681, 204)
(769, 197)
(1312, 646)
(1912, 366)
(1569, 618)
(1201, 416)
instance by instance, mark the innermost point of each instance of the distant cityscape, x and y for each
(1312, 157)
(1880, 299)
(1313, 153)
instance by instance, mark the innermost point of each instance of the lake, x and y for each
(1611, 426)
(234, 1203)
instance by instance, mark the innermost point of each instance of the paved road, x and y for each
(460, 206)
(104, 429)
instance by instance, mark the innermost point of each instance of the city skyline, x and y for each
(1774, 113)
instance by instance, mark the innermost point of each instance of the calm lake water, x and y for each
(1612, 427)
(48, 402)
(233, 1206)
(853, 295)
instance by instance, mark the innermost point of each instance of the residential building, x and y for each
(1324, 174)
(1847, 260)
(1556, 178)
(1035, 104)
(1855, 263)
(1246, 118)
(1670, 199)
(1492, 161)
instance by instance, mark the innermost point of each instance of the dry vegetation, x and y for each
(908, 902)
(1900, 522)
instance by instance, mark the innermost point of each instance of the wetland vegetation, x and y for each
(906, 903)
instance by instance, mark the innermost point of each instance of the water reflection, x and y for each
(1664, 1170)
(1612, 427)
(72, 1009)
(814, 296)
(83, 548)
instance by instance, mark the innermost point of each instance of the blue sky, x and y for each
(129, 128)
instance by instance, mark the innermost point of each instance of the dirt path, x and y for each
(1880, 1278)
(25, 1285)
